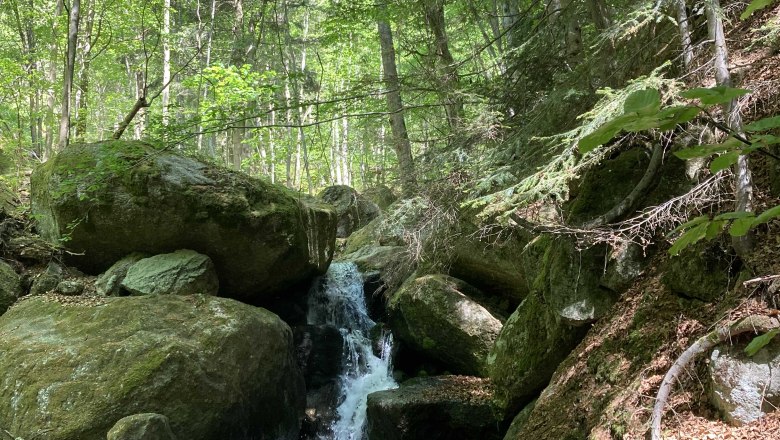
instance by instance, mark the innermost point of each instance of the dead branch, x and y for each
(754, 323)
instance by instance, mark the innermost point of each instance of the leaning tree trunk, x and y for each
(434, 15)
(67, 80)
(685, 34)
(744, 180)
(403, 147)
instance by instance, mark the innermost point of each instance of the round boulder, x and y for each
(435, 316)
(217, 368)
(112, 198)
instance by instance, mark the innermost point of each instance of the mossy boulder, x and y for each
(393, 227)
(435, 408)
(435, 316)
(8, 200)
(10, 286)
(533, 341)
(183, 272)
(217, 368)
(147, 426)
(106, 200)
(354, 210)
(703, 271)
(381, 195)
(109, 283)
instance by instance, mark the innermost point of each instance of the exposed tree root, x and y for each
(753, 323)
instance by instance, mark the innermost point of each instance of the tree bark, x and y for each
(83, 93)
(685, 34)
(67, 79)
(166, 78)
(403, 147)
(743, 178)
(434, 15)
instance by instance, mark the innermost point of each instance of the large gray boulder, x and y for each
(149, 426)
(215, 367)
(354, 210)
(106, 200)
(435, 408)
(183, 272)
(745, 388)
(10, 286)
(434, 315)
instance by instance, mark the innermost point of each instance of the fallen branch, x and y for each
(753, 323)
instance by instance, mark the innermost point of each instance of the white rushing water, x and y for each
(339, 301)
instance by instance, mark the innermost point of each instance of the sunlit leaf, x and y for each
(604, 134)
(724, 161)
(764, 124)
(760, 342)
(709, 149)
(689, 237)
(767, 215)
(714, 95)
(741, 226)
(643, 102)
(755, 5)
(734, 215)
(714, 228)
(690, 223)
(642, 123)
(673, 116)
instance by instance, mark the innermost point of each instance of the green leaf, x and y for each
(724, 161)
(690, 223)
(734, 215)
(741, 226)
(766, 140)
(689, 237)
(714, 95)
(760, 342)
(603, 134)
(643, 102)
(709, 149)
(764, 124)
(714, 228)
(642, 123)
(679, 114)
(755, 5)
(767, 215)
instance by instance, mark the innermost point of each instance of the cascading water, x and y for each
(339, 301)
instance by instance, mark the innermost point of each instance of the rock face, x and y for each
(381, 195)
(745, 388)
(215, 367)
(700, 272)
(262, 238)
(109, 283)
(147, 426)
(435, 408)
(10, 286)
(433, 315)
(353, 210)
(533, 341)
(183, 272)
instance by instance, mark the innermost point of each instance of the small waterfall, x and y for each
(339, 300)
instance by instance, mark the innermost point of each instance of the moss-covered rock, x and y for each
(10, 286)
(183, 272)
(435, 408)
(381, 195)
(703, 272)
(109, 283)
(353, 210)
(435, 315)
(393, 227)
(147, 426)
(533, 341)
(217, 368)
(106, 200)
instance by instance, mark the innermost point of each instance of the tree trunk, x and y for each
(685, 34)
(67, 79)
(744, 180)
(166, 75)
(434, 15)
(83, 92)
(403, 147)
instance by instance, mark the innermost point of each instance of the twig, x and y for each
(753, 323)
(763, 279)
